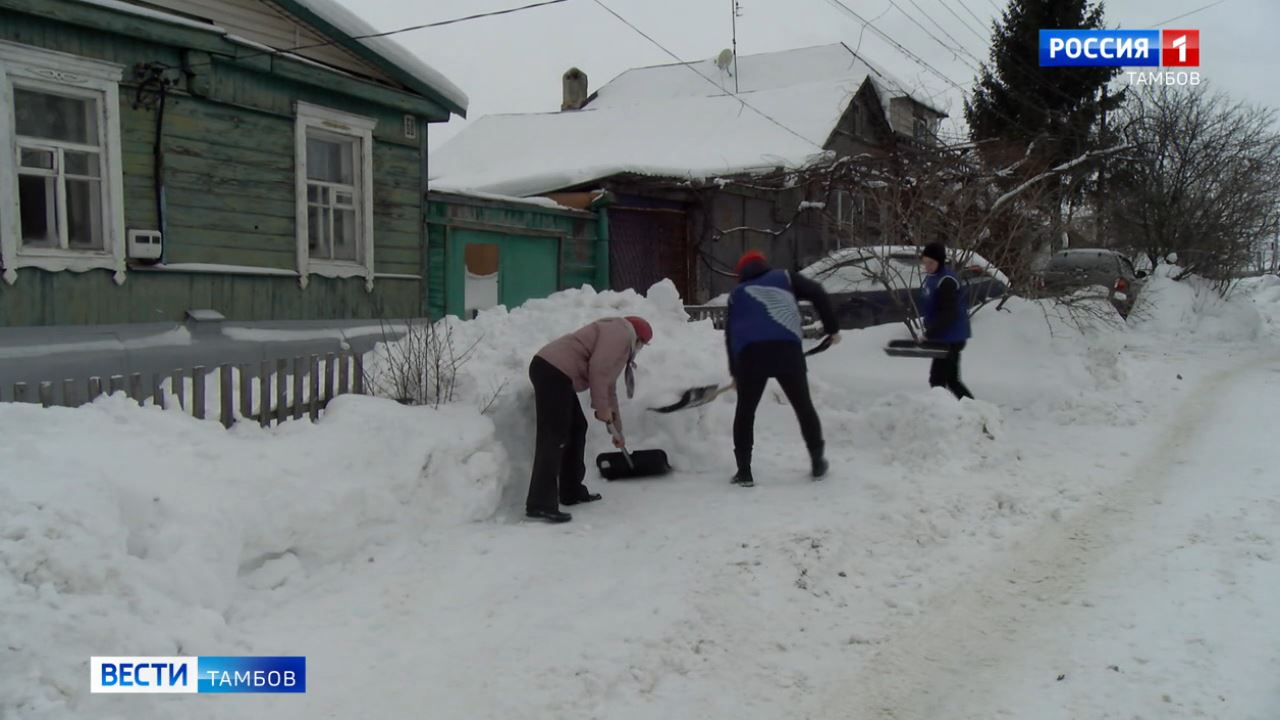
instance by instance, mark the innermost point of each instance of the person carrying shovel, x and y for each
(590, 358)
(763, 336)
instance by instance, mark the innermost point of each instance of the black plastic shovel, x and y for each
(627, 465)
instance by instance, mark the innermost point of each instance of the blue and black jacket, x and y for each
(764, 317)
(945, 309)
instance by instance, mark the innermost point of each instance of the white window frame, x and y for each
(55, 72)
(334, 122)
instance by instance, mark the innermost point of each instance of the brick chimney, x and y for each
(575, 90)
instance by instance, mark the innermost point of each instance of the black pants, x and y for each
(558, 463)
(945, 372)
(754, 369)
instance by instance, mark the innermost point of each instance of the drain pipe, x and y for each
(601, 208)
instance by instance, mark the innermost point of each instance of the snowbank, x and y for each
(1192, 307)
(130, 531)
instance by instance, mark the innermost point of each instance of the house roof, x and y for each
(421, 76)
(332, 19)
(667, 121)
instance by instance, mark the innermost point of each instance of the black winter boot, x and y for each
(743, 479)
(551, 516)
(819, 464)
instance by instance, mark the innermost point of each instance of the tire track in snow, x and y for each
(933, 667)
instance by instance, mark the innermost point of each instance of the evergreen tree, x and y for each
(1017, 103)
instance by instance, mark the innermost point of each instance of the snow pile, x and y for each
(1192, 306)
(130, 531)
(930, 430)
(1265, 293)
(495, 377)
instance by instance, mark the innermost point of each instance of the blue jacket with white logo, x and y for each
(945, 308)
(763, 309)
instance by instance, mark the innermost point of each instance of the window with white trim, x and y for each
(62, 193)
(335, 197)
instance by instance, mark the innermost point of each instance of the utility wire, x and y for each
(959, 45)
(388, 33)
(713, 83)
(977, 33)
(1189, 13)
(955, 52)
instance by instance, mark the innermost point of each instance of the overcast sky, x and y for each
(513, 63)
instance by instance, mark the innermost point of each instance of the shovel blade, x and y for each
(643, 463)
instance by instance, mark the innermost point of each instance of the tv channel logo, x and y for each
(204, 674)
(1119, 48)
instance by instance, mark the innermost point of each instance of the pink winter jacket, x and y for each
(593, 357)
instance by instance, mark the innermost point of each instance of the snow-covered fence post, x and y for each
(264, 394)
(20, 392)
(197, 391)
(95, 388)
(227, 395)
(246, 391)
(69, 393)
(157, 390)
(179, 386)
(116, 384)
(328, 377)
(282, 390)
(314, 405)
(46, 394)
(357, 381)
(135, 388)
(298, 372)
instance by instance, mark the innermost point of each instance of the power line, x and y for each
(957, 17)
(937, 24)
(694, 70)
(889, 39)
(1192, 12)
(441, 23)
(955, 52)
(978, 33)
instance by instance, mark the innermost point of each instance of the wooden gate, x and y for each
(648, 245)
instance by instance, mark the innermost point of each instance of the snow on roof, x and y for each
(666, 121)
(834, 63)
(542, 202)
(390, 50)
(683, 138)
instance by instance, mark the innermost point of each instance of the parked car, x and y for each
(1070, 271)
(882, 284)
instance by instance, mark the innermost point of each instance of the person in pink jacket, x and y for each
(591, 358)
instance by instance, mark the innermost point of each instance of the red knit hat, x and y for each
(749, 257)
(644, 331)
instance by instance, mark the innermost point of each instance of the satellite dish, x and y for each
(724, 60)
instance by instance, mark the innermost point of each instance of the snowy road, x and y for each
(1157, 600)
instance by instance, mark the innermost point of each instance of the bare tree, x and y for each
(420, 368)
(1201, 179)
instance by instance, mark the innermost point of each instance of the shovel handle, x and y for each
(613, 431)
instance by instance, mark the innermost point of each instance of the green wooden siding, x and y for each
(42, 298)
(229, 194)
(541, 250)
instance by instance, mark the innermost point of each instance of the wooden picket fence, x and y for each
(314, 381)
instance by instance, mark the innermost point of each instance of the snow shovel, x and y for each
(627, 465)
(699, 396)
(917, 349)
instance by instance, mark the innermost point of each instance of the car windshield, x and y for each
(865, 273)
